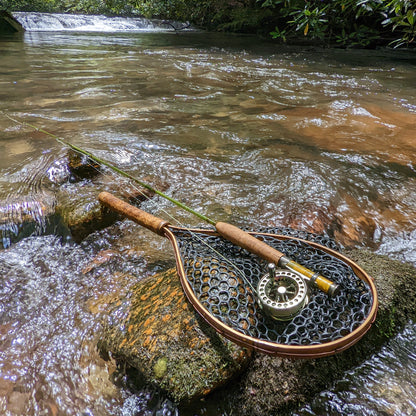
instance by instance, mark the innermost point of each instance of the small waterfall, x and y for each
(56, 22)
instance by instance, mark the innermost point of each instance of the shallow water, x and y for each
(249, 132)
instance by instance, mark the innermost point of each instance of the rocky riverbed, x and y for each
(152, 335)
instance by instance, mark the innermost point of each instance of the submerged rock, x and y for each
(159, 335)
(29, 215)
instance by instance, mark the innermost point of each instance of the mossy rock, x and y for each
(8, 24)
(158, 333)
(80, 210)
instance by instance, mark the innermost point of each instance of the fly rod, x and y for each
(228, 231)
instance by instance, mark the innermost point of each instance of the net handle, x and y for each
(149, 221)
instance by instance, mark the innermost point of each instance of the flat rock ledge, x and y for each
(157, 334)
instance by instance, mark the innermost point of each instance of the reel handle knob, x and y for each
(272, 271)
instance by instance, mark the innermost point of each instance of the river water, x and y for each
(246, 131)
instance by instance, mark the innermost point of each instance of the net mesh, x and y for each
(223, 277)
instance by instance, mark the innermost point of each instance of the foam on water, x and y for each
(57, 22)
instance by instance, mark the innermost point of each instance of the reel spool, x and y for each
(281, 294)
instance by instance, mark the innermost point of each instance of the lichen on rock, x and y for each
(158, 333)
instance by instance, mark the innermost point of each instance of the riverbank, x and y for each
(357, 24)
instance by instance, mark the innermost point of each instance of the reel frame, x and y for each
(281, 294)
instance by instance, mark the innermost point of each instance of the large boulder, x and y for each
(158, 334)
(8, 24)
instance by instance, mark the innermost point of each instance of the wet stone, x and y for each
(29, 215)
(8, 24)
(80, 210)
(81, 166)
(157, 333)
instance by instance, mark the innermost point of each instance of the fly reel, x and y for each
(281, 294)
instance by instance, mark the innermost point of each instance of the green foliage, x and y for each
(70, 6)
(313, 21)
(347, 22)
(361, 36)
(183, 10)
(86, 6)
(401, 15)
(29, 5)
(241, 20)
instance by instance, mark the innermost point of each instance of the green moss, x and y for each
(160, 368)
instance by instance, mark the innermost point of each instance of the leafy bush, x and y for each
(29, 5)
(347, 22)
(70, 6)
(401, 14)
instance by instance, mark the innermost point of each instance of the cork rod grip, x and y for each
(133, 213)
(263, 250)
(249, 242)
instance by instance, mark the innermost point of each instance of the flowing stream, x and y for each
(246, 131)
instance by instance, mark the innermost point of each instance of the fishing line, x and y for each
(135, 181)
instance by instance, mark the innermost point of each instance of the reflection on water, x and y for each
(249, 132)
(49, 362)
(383, 385)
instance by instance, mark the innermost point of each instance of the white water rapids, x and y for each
(53, 22)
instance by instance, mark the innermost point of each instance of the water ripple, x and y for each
(239, 130)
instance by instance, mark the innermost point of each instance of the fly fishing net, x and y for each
(224, 277)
